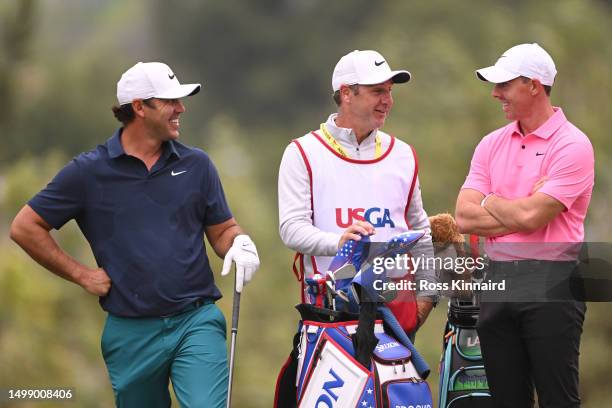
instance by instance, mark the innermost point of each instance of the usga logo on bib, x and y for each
(378, 217)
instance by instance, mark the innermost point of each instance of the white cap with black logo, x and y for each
(528, 60)
(152, 80)
(365, 68)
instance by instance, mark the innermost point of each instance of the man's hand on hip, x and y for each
(244, 253)
(95, 281)
(355, 232)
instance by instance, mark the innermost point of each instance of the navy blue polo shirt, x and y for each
(146, 229)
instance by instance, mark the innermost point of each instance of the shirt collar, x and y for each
(546, 129)
(114, 145)
(172, 148)
(346, 135)
(115, 148)
(515, 129)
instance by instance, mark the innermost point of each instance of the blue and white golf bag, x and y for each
(348, 354)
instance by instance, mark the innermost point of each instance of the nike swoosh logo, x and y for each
(378, 64)
(178, 172)
(171, 76)
(539, 154)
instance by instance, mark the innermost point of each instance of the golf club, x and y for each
(235, 313)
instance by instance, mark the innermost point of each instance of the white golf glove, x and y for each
(244, 253)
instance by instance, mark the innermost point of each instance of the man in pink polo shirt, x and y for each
(528, 192)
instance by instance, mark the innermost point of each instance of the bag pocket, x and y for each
(468, 344)
(472, 400)
(469, 379)
(406, 393)
(335, 377)
(393, 360)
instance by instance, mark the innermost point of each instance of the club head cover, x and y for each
(368, 280)
(352, 252)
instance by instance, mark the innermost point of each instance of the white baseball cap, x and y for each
(152, 80)
(528, 60)
(365, 68)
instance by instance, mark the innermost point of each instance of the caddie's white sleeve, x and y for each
(418, 220)
(294, 212)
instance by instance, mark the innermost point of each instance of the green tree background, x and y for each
(266, 73)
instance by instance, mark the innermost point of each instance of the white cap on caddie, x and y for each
(151, 80)
(528, 60)
(365, 68)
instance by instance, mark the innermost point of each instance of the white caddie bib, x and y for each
(345, 190)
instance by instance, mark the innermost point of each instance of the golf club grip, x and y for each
(235, 311)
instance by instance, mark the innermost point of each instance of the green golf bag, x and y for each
(463, 380)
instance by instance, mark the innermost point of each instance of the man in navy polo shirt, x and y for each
(144, 201)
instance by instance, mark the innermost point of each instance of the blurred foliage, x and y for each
(266, 72)
(17, 20)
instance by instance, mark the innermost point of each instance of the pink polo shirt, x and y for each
(509, 163)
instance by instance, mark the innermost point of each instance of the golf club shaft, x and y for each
(235, 314)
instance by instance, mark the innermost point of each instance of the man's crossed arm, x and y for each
(501, 216)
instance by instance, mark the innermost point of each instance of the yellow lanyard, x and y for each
(336, 146)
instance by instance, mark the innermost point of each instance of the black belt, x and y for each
(198, 303)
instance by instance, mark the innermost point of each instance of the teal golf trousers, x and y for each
(143, 354)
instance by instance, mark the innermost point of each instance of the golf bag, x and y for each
(329, 375)
(463, 380)
(350, 351)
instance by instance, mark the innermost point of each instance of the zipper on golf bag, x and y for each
(392, 360)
